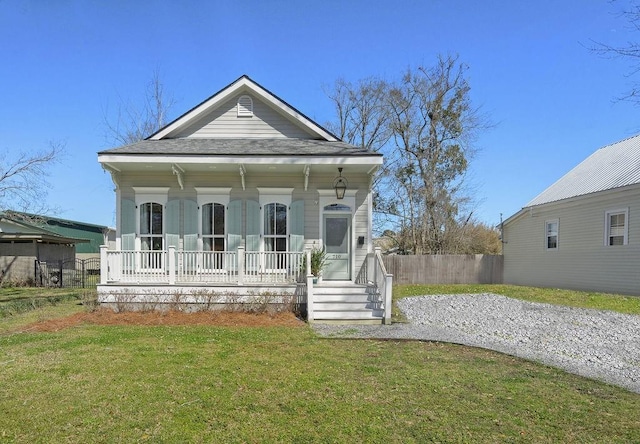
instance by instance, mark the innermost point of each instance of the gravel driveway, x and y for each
(598, 344)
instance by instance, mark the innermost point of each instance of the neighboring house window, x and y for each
(245, 106)
(151, 232)
(616, 227)
(551, 235)
(213, 227)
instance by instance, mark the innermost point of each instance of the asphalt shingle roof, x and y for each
(241, 147)
(613, 166)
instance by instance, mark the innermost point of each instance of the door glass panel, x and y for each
(156, 219)
(218, 219)
(337, 229)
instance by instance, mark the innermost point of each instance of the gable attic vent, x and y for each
(245, 106)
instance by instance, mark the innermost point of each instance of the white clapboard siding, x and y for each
(582, 260)
(224, 122)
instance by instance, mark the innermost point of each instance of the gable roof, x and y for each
(612, 166)
(243, 84)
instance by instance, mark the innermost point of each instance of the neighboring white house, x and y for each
(231, 196)
(583, 232)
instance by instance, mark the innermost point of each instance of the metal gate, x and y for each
(72, 273)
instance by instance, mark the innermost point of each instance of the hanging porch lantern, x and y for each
(340, 185)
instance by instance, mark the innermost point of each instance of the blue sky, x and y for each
(65, 62)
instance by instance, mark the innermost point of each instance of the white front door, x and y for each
(337, 242)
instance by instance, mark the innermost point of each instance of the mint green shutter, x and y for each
(173, 216)
(173, 223)
(234, 217)
(253, 226)
(296, 226)
(190, 242)
(190, 217)
(128, 241)
(190, 239)
(128, 224)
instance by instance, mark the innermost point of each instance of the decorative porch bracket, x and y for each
(243, 171)
(307, 171)
(180, 173)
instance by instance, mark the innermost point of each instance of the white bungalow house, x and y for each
(583, 232)
(231, 197)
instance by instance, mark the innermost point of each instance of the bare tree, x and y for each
(136, 121)
(362, 112)
(426, 126)
(23, 178)
(630, 51)
(434, 125)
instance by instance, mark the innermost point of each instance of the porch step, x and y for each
(346, 303)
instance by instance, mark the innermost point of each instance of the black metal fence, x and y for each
(72, 273)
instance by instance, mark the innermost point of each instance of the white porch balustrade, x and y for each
(212, 267)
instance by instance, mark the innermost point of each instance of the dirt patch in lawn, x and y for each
(214, 318)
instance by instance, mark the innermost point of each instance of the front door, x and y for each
(337, 242)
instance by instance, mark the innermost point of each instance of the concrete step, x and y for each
(363, 298)
(346, 315)
(344, 306)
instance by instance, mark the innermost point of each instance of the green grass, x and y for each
(600, 301)
(15, 300)
(205, 384)
(213, 384)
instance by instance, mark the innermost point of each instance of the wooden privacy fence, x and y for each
(445, 269)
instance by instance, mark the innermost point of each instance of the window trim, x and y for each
(212, 195)
(607, 226)
(547, 235)
(282, 196)
(143, 195)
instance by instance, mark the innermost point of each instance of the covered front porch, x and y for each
(208, 279)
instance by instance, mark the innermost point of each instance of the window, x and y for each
(551, 236)
(151, 231)
(275, 227)
(213, 227)
(213, 235)
(616, 227)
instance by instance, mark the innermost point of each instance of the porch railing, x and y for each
(216, 267)
(383, 282)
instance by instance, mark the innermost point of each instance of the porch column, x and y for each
(104, 266)
(240, 265)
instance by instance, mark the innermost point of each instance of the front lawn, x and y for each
(95, 383)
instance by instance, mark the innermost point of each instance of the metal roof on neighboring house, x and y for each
(242, 147)
(613, 166)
